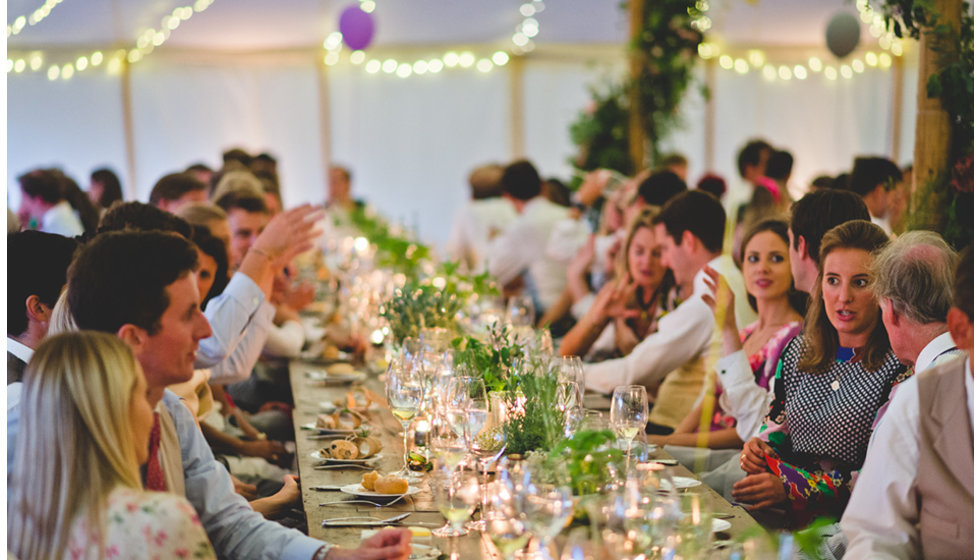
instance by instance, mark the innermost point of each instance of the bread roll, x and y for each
(390, 484)
(340, 369)
(326, 422)
(368, 480)
(343, 449)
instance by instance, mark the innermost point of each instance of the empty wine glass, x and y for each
(570, 370)
(447, 438)
(468, 396)
(404, 391)
(520, 311)
(628, 414)
(488, 443)
(547, 508)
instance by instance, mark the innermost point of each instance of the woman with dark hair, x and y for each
(769, 283)
(212, 257)
(104, 188)
(830, 383)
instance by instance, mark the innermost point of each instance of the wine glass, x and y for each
(457, 494)
(468, 396)
(520, 311)
(404, 391)
(447, 438)
(570, 370)
(487, 444)
(547, 508)
(628, 414)
(505, 524)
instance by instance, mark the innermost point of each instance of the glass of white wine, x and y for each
(457, 494)
(404, 391)
(628, 414)
(505, 522)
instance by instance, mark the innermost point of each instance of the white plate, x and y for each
(316, 455)
(326, 431)
(324, 377)
(424, 552)
(719, 525)
(681, 482)
(361, 492)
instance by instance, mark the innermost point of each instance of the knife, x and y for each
(363, 521)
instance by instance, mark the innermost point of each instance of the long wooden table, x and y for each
(308, 395)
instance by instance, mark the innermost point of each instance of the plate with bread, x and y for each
(375, 486)
(341, 422)
(340, 372)
(350, 451)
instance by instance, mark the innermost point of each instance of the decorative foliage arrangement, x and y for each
(492, 359)
(541, 425)
(590, 458)
(948, 199)
(418, 306)
(667, 48)
(394, 251)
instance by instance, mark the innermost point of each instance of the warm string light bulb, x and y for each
(521, 40)
(146, 42)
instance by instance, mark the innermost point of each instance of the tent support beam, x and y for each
(517, 146)
(129, 137)
(323, 103)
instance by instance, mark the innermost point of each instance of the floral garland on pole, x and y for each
(668, 49)
(946, 203)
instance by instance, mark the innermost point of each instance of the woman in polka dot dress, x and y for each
(830, 382)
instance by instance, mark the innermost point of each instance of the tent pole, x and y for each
(710, 79)
(128, 135)
(898, 85)
(323, 99)
(516, 67)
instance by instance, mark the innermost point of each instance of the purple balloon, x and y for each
(357, 27)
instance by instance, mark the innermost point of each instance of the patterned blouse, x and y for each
(820, 425)
(763, 364)
(143, 525)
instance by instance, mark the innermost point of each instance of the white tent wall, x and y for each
(412, 142)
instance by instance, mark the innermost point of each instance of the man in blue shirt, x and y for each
(141, 287)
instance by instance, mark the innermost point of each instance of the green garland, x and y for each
(946, 203)
(667, 47)
(394, 251)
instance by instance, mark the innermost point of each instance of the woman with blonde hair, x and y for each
(830, 383)
(626, 309)
(75, 490)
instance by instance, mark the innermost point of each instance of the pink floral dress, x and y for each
(763, 364)
(143, 525)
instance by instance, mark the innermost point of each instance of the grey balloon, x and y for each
(843, 34)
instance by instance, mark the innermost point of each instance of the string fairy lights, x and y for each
(522, 42)
(748, 60)
(36, 17)
(146, 42)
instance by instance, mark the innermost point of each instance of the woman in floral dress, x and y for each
(75, 489)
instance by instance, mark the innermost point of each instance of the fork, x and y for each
(364, 520)
(327, 466)
(375, 504)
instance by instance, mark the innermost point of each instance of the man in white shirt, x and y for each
(520, 252)
(690, 231)
(478, 222)
(43, 204)
(872, 178)
(913, 281)
(914, 497)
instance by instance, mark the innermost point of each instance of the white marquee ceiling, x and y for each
(233, 25)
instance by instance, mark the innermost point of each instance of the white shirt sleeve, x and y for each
(508, 259)
(458, 245)
(238, 366)
(681, 335)
(285, 341)
(881, 516)
(742, 397)
(228, 313)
